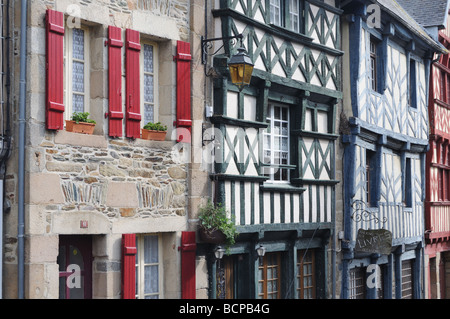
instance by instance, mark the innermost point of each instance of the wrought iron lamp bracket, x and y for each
(207, 45)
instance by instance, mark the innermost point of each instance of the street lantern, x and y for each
(240, 65)
(261, 251)
(241, 68)
(219, 252)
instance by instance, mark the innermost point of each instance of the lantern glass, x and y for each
(219, 252)
(241, 68)
(261, 251)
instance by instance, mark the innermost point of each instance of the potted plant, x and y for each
(80, 123)
(154, 131)
(215, 227)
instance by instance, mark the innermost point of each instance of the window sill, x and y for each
(286, 188)
(78, 139)
(329, 182)
(292, 33)
(102, 141)
(154, 144)
(222, 119)
(376, 93)
(244, 178)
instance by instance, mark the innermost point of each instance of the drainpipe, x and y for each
(1, 237)
(21, 174)
(5, 149)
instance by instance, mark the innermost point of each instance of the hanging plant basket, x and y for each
(81, 127)
(215, 227)
(153, 135)
(212, 236)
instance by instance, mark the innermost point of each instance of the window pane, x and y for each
(357, 285)
(276, 143)
(294, 12)
(78, 103)
(151, 249)
(148, 88)
(78, 44)
(147, 267)
(148, 83)
(78, 76)
(284, 129)
(284, 144)
(267, 142)
(373, 64)
(148, 113)
(305, 277)
(275, 12)
(151, 279)
(148, 58)
(276, 112)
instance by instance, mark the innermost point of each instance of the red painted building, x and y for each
(437, 208)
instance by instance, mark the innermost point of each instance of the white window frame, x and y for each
(68, 71)
(293, 15)
(275, 7)
(155, 82)
(270, 119)
(140, 267)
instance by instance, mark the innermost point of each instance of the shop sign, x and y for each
(374, 241)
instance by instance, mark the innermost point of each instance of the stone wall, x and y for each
(118, 178)
(113, 186)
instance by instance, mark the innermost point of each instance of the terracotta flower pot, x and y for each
(81, 127)
(153, 135)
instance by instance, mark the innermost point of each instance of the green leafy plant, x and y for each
(82, 117)
(155, 126)
(215, 218)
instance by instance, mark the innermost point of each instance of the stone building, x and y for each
(76, 205)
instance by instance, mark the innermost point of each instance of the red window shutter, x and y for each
(129, 266)
(54, 109)
(133, 99)
(188, 248)
(115, 81)
(184, 122)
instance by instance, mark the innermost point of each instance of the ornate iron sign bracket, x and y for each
(360, 213)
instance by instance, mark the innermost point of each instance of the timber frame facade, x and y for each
(437, 205)
(385, 146)
(275, 169)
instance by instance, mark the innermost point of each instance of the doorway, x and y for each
(75, 267)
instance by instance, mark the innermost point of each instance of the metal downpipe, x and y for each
(21, 173)
(5, 147)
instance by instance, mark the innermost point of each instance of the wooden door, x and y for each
(75, 267)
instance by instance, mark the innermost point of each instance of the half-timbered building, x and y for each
(274, 164)
(385, 137)
(437, 203)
